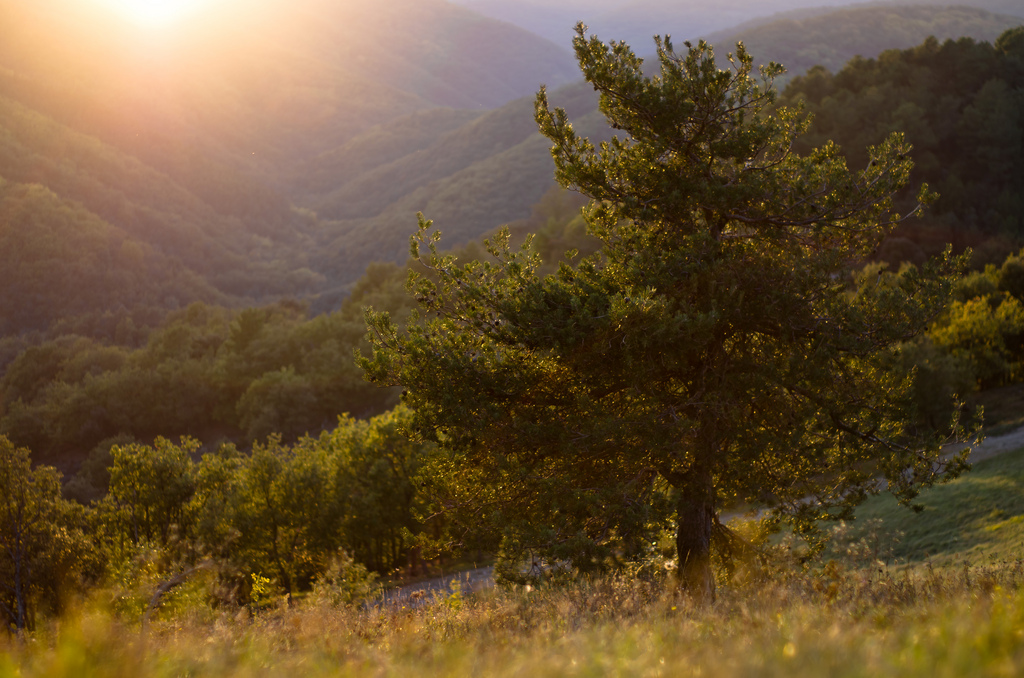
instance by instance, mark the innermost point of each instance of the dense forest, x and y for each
(959, 104)
(180, 264)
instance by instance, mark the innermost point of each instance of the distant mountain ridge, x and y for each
(802, 39)
(635, 21)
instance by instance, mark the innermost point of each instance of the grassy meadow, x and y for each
(935, 593)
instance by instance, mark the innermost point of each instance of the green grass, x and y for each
(978, 518)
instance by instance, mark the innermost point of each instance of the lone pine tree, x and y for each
(716, 349)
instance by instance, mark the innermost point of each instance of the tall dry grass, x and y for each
(834, 621)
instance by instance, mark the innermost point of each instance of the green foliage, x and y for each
(942, 382)
(712, 351)
(988, 333)
(241, 374)
(959, 105)
(43, 550)
(261, 592)
(284, 511)
(150, 490)
(92, 482)
(975, 345)
(277, 402)
(379, 472)
(345, 582)
(326, 509)
(284, 507)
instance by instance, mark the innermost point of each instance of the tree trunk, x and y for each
(695, 514)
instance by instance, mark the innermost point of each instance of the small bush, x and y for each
(344, 583)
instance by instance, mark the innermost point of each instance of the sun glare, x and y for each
(154, 13)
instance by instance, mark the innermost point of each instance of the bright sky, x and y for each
(155, 13)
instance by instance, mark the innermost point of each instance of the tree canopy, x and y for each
(715, 350)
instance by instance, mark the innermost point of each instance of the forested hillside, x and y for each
(959, 104)
(58, 260)
(486, 172)
(185, 144)
(277, 154)
(474, 178)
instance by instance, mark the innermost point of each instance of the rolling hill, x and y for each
(635, 21)
(804, 39)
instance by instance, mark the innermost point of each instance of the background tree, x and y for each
(714, 350)
(284, 508)
(377, 485)
(42, 546)
(151, 487)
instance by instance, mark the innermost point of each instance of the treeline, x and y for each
(280, 519)
(206, 370)
(241, 375)
(961, 105)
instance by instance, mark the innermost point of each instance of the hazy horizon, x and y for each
(637, 21)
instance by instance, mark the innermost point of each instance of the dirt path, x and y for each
(414, 595)
(994, 445)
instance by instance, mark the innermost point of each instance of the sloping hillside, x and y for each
(312, 73)
(488, 171)
(183, 141)
(485, 173)
(278, 150)
(58, 260)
